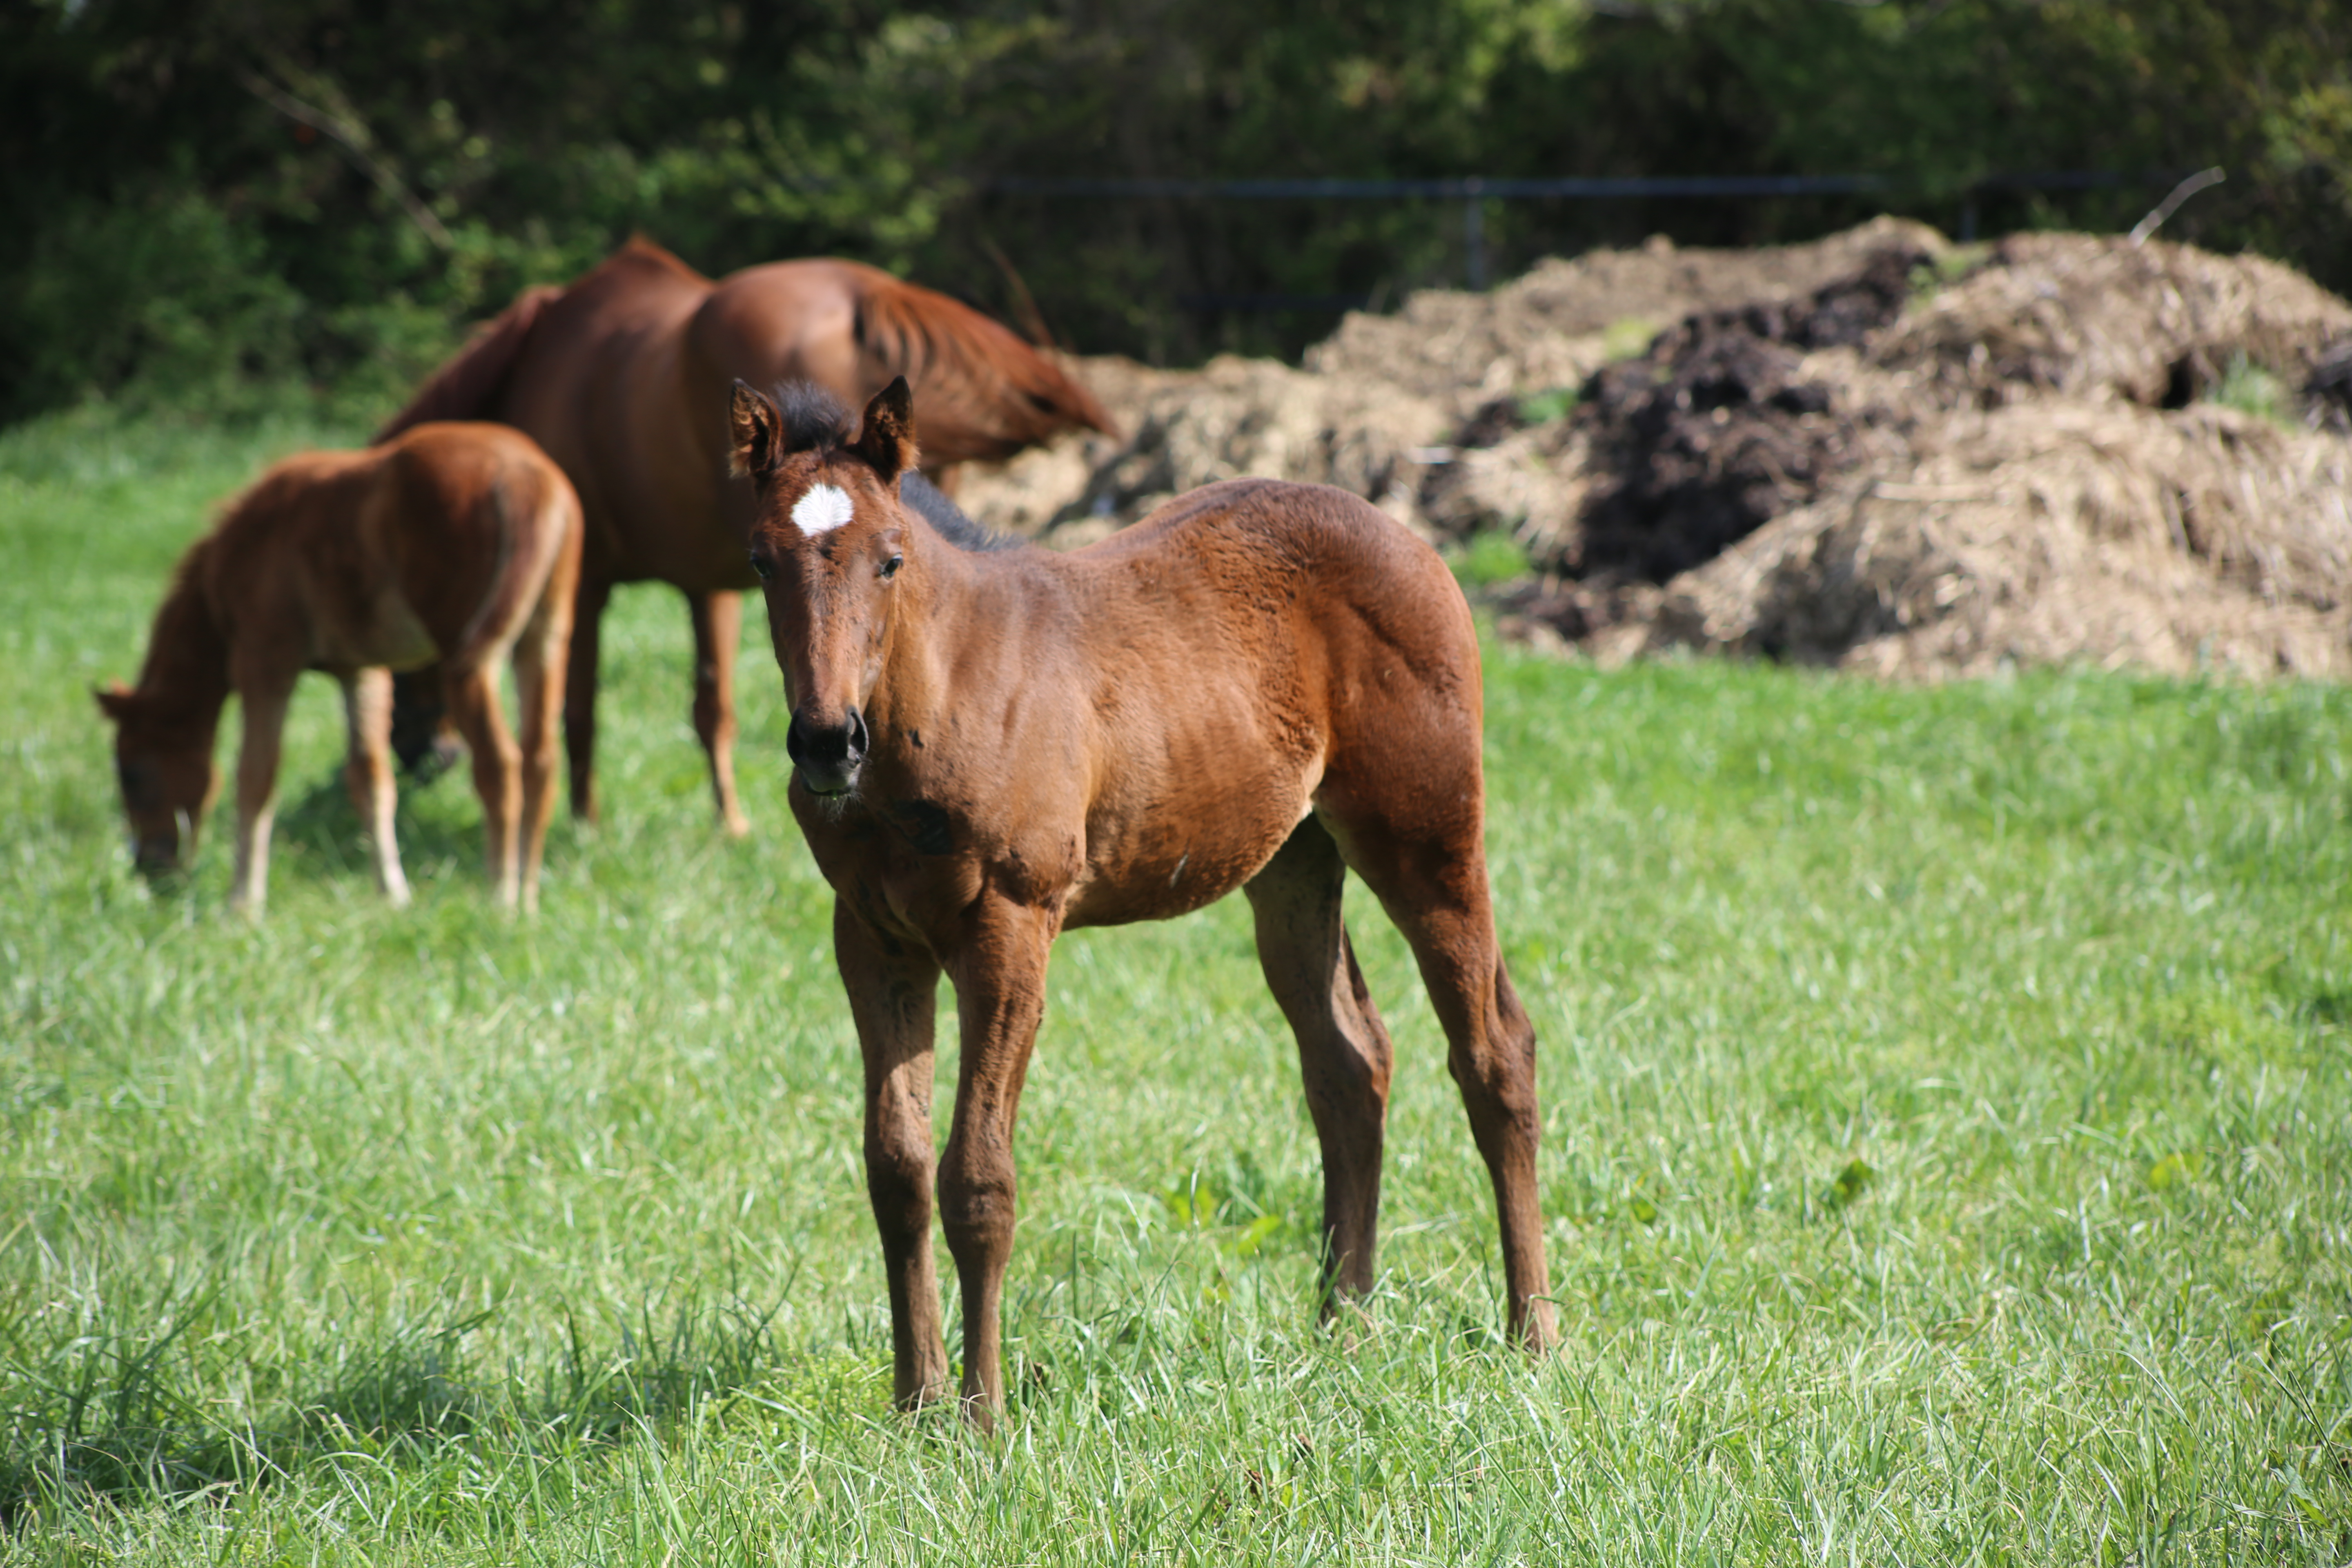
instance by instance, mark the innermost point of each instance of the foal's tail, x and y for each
(981, 394)
(539, 562)
(468, 387)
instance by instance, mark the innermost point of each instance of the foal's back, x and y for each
(1302, 606)
(1252, 650)
(433, 542)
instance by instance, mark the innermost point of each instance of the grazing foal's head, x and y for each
(831, 545)
(163, 760)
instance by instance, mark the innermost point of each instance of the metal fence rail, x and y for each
(1475, 191)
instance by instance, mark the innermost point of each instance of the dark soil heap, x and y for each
(1717, 429)
(1871, 451)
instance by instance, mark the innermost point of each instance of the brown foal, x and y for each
(1260, 686)
(451, 542)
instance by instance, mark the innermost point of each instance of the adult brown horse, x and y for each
(455, 544)
(623, 377)
(1259, 685)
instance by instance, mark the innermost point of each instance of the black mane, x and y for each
(813, 419)
(948, 520)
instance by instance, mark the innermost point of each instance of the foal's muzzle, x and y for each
(828, 756)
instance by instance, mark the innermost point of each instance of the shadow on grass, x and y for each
(110, 1414)
(324, 823)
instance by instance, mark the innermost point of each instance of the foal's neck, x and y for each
(924, 646)
(186, 677)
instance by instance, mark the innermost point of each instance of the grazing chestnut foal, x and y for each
(1260, 686)
(453, 542)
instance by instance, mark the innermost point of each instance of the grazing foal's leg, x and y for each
(538, 691)
(1000, 981)
(368, 776)
(1434, 888)
(580, 693)
(263, 704)
(473, 696)
(718, 628)
(894, 998)
(1343, 1051)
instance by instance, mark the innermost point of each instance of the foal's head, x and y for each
(831, 546)
(163, 760)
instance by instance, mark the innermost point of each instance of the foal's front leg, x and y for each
(894, 997)
(1000, 981)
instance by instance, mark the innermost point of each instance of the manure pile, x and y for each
(1875, 451)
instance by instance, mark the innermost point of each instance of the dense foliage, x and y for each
(215, 198)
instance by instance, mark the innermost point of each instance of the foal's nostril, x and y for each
(817, 746)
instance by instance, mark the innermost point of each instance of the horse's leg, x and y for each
(1000, 981)
(539, 692)
(893, 997)
(473, 698)
(718, 628)
(1433, 886)
(368, 776)
(580, 693)
(263, 705)
(422, 741)
(1343, 1051)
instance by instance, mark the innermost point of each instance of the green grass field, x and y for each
(1949, 1097)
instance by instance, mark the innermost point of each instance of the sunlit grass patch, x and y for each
(1948, 1098)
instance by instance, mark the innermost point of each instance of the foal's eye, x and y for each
(759, 564)
(890, 567)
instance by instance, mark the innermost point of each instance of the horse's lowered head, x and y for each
(163, 760)
(834, 550)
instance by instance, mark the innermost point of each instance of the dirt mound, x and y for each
(2328, 391)
(2013, 468)
(2089, 316)
(1564, 320)
(1233, 418)
(1718, 428)
(2204, 539)
(1872, 451)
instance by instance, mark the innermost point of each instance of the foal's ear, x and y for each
(887, 440)
(115, 701)
(758, 432)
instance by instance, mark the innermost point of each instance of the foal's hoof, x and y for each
(1537, 1332)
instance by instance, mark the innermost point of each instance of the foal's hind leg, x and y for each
(368, 776)
(473, 696)
(717, 629)
(538, 693)
(1433, 885)
(1343, 1051)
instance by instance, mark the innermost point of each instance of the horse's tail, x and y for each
(467, 387)
(981, 393)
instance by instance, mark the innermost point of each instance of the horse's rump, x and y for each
(469, 386)
(985, 392)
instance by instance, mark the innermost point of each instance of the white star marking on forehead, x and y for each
(822, 511)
